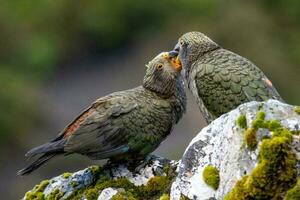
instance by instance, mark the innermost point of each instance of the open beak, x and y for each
(172, 57)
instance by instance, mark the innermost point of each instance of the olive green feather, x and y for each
(219, 79)
(126, 125)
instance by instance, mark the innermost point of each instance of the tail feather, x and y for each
(36, 164)
(51, 147)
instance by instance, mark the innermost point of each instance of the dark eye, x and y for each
(159, 66)
(181, 43)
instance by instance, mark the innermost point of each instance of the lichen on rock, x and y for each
(275, 173)
(110, 182)
(272, 161)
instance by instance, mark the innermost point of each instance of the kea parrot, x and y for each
(126, 125)
(219, 79)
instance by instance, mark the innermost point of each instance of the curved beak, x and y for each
(172, 57)
(177, 47)
(175, 51)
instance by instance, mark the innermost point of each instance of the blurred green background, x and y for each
(56, 57)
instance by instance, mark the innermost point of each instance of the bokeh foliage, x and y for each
(38, 37)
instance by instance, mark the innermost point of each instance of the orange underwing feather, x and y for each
(77, 122)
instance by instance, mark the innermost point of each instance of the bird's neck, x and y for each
(179, 99)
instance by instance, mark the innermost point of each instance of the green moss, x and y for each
(211, 176)
(273, 125)
(261, 115)
(276, 170)
(55, 195)
(95, 169)
(67, 175)
(183, 197)
(283, 132)
(250, 139)
(155, 187)
(259, 121)
(123, 196)
(242, 121)
(297, 110)
(37, 192)
(295, 132)
(294, 193)
(164, 197)
(92, 192)
(74, 184)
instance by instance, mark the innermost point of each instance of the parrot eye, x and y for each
(159, 66)
(181, 43)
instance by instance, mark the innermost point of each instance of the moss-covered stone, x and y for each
(294, 193)
(297, 109)
(164, 197)
(211, 176)
(95, 169)
(276, 170)
(67, 175)
(74, 184)
(242, 121)
(183, 197)
(261, 115)
(295, 132)
(250, 139)
(55, 195)
(155, 188)
(123, 196)
(37, 192)
(273, 125)
(259, 121)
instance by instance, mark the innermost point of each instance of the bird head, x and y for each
(162, 74)
(192, 45)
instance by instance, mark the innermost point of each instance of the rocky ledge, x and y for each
(252, 152)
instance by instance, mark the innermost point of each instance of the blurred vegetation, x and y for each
(37, 37)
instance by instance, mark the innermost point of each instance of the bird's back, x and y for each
(135, 123)
(223, 80)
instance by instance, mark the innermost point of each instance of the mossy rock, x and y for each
(89, 183)
(276, 171)
(254, 147)
(211, 176)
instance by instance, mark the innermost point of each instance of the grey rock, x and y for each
(221, 144)
(66, 184)
(107, 194)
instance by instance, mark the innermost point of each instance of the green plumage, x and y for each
(219, 79)
(124, 125)
(131, 123)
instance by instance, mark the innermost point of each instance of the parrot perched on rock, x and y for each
(219, 79)
(125, 125)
